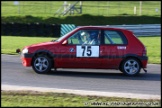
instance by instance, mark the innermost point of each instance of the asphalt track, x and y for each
(99, 82)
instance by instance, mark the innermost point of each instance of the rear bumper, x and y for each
(26, 59)
(144, 61)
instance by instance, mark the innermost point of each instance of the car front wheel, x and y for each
(131, 67)
(42, 64)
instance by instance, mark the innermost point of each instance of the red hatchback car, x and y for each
(94, 47)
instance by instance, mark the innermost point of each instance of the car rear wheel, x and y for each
(42, 64)
(131, 67)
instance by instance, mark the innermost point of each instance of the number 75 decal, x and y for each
(87, 51)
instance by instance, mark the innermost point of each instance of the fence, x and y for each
(105, 8)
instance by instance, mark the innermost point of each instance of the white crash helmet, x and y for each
(83, 33)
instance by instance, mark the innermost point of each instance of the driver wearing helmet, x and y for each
(85, 37)
(89, 38)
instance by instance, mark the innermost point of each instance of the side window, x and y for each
(90, 37)
(114, 37)
(85, 37)
(74, 39)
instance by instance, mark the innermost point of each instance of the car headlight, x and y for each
(25, 51)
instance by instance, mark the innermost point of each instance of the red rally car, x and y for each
(94, 47)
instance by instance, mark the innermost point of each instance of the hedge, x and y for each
(30, 29)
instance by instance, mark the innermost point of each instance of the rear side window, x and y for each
(114, 37)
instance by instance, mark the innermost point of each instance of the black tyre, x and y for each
(131, 67)
(42, 64)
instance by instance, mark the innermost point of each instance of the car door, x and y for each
(80, 51)
(88, 52)
(67, 52)
(113, 48)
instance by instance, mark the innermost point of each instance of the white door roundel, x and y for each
(87, 51)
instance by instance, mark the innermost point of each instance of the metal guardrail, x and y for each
(138, 30)
(142, 29)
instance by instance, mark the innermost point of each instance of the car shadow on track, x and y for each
(109, 75)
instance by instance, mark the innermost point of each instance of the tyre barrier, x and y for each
(30, 29)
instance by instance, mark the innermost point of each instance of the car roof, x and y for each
(103, 27)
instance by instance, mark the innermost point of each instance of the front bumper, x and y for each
(26, 59)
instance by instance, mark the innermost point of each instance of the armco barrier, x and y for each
(142, 29)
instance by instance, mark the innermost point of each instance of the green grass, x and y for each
(9, 44)
(104, 8)
(31, 98)
(153, 46)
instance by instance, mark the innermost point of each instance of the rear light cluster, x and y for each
(144, 53)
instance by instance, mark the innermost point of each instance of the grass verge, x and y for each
(49, 99)
(153, 46)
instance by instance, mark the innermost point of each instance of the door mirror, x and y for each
(65, 42)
